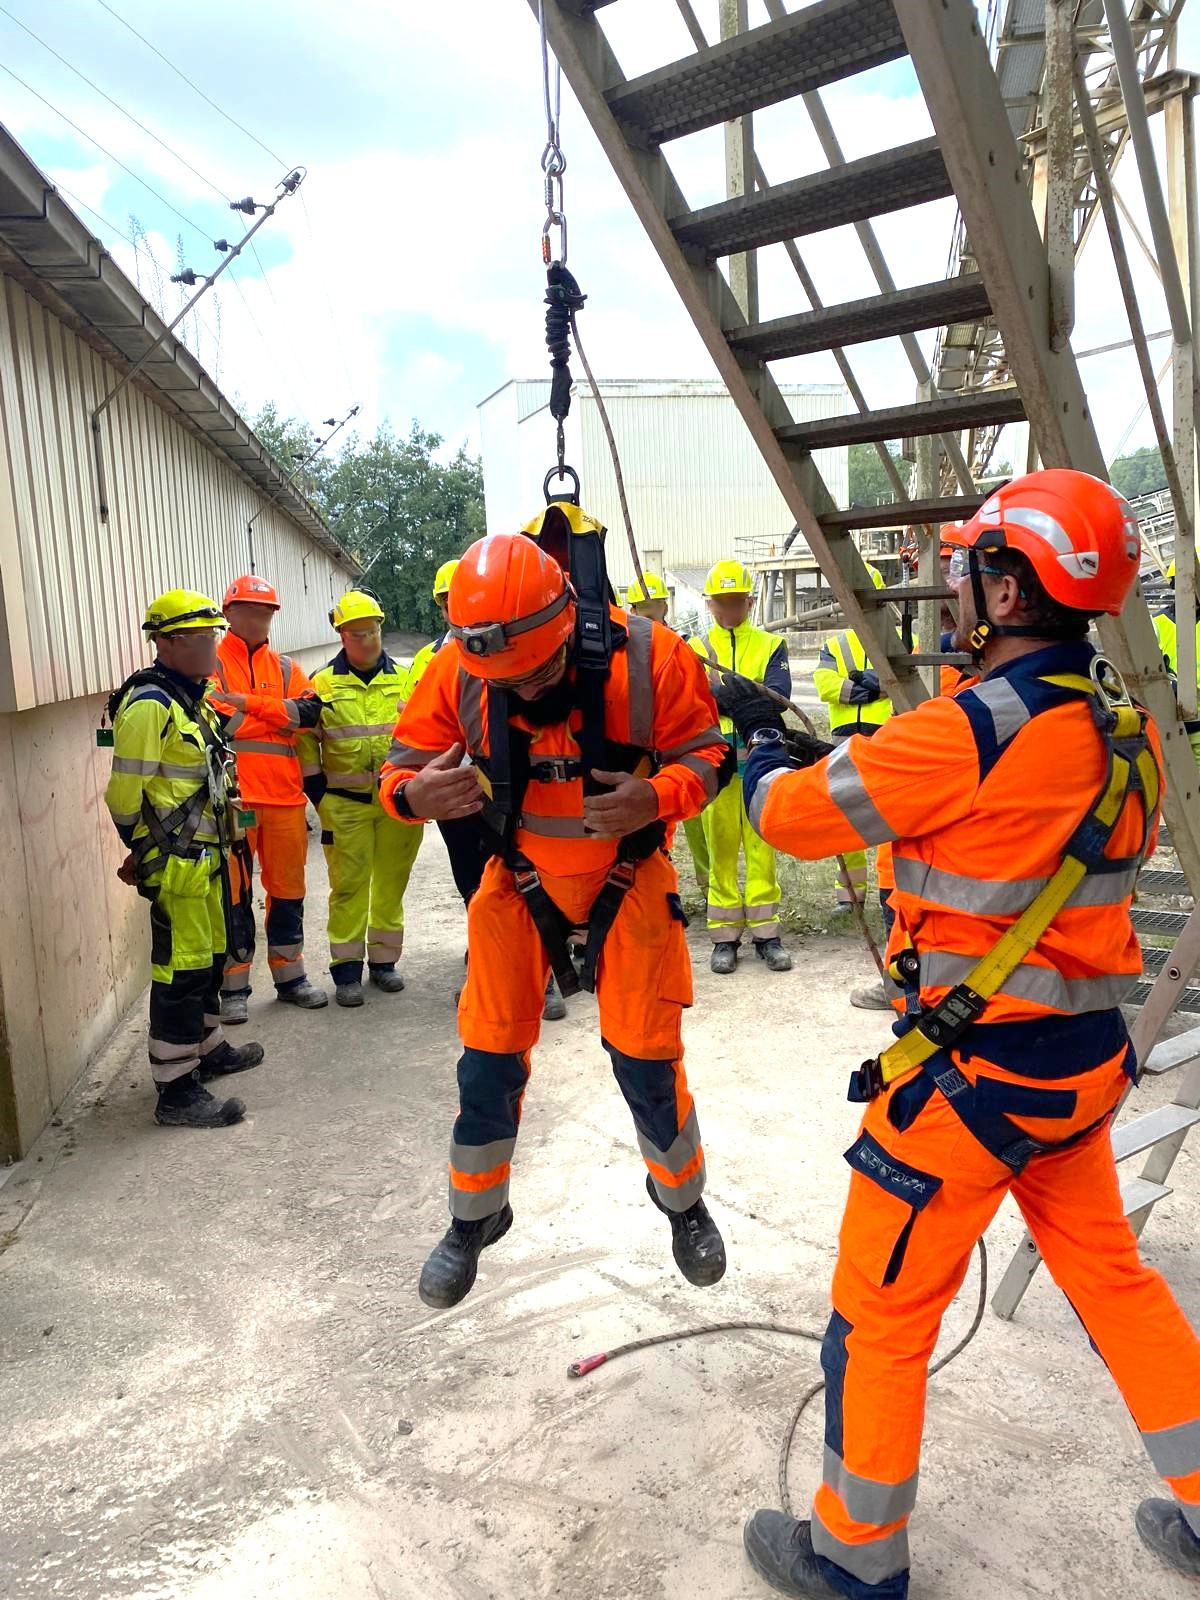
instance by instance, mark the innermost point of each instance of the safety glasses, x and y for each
(960, 566)
(545, 674)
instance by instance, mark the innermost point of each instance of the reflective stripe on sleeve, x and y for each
(641, 682)
(849, 794)
(1043, 985)
(407, 757)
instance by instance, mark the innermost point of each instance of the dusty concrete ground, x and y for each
(217, 1381)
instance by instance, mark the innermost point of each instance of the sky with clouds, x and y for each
(406, 275)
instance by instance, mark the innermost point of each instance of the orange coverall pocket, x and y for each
(675, 969)
(886, 1198)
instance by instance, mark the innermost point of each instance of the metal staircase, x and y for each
(1006, 284)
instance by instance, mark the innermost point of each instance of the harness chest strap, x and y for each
(1131, 768)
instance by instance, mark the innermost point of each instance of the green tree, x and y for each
(869, 483)
(1140, 472)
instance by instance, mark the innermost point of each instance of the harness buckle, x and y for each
(526, 879)
(554, 769)
(622, 874)
(866, 1084)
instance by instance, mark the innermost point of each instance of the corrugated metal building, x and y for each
(697, 487)
(184, 475)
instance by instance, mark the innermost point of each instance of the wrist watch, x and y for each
(400, 803)
(764, 736)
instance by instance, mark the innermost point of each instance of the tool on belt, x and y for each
(1131, 769)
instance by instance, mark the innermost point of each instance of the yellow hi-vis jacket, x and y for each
(351, 741)
(850, 709)
(755, 654)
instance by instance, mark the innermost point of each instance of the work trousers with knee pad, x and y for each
(729, 835)
(643, 982)
(279, 839)
(919, 1200)
(370, 858)
(187, 958)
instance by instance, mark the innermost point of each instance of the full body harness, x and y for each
(174, 834)
(924, 1048)
(573, 538)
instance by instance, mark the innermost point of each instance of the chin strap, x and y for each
(986, 629)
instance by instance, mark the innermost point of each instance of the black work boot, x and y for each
(1163, 1528)
(554, 1008)
(304, 995)
(724, 957)
(387, 979)
(448, 1276)
(772, 952)
(781, 1551)
(228, 1058)
(696, 1241)
(186, 1103)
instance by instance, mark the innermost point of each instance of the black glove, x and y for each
(868, 682)
(314, 787)
(805, 749)
(743, 701)
(308, 710)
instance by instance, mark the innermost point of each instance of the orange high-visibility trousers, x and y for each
(919, 1201)
(643, 982)
(279, 839)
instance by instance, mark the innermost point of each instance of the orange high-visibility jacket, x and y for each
(981, 794)
(656, 699)
(264, 734)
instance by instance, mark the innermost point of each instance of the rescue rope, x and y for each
(580, 1369)
(856, 905)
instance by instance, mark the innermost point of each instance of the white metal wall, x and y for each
(697, 487)
(75, 588)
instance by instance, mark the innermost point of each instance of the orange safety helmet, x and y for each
(252, 591)
(510, 607)
(1079, 535)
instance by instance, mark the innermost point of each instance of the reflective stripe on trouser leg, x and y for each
(693, 832)
(236, 979)
(348, 840)
(491, 1087)
(668, 1132)
(187, 958)
(1072, 1203)
(282, 857)
(763, 893)
(723, 836)
(852, 884)
(396, 846)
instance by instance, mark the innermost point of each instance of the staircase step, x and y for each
(1188, 999)
(1169, 1054)
(1152, 881)
(1139, 1194)
(935, 658)
(888, 181)
(947, 415)
(1142, 1133)
(897, 594)
(1149, 921)
(795, 55)
(929, 305)
(905, 513)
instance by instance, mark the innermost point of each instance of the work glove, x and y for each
(804, 748)
(868, 681)
(742, 700)
(308, 710)
(126, 873)
(314, 787)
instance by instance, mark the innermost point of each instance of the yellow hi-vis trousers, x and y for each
(852, 885)
(693, 830)
(728, 833)
(370, 858)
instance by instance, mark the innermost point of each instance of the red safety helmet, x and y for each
(510, 607)
(252, 591)
(1079, 535)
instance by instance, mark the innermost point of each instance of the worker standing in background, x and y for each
(1166, 629)
(654, 602)
(737, 643)
(849, 686)
(368, 853)
(173, 801)
(465, 838)
(266, 700)
(570, 854)
(1032, 796)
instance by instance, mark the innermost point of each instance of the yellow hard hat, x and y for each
(655, 589)
(441, 578)
(876, 577)
(180, 610)
(1170, 574)
(729, 577)
(356, 605)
